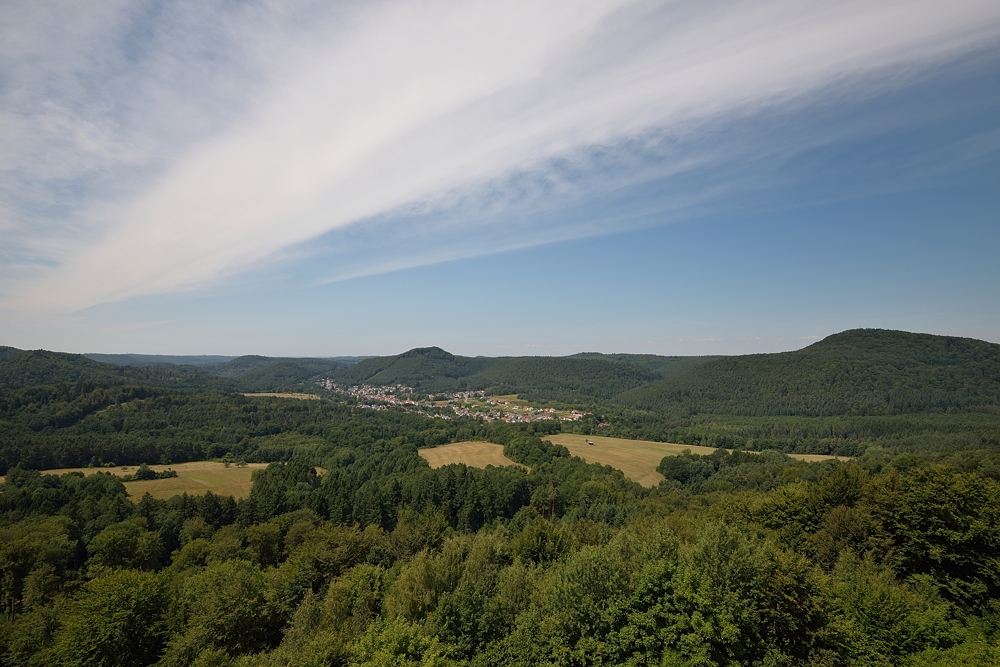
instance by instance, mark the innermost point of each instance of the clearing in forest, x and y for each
(195, 478)
(472, 454)
(284, 394)
(637, 458)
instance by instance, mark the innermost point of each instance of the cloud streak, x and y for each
(152, 154)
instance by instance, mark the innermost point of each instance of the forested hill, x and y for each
(29, 368)
(225, 366)
(856, 372)
(159, 359)
(568, 379)
(663, 366)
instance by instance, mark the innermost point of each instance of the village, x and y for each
(473, 404)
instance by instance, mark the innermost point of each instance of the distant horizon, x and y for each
(229, 357)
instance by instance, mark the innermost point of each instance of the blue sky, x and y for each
(536, 178)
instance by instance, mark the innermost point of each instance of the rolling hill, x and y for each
(567, 379)
(856, 372)
(28, 368)
(159, 359)
(663, 366)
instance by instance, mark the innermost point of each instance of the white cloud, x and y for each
(155, 154)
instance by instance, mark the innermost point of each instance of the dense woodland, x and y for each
(861, 372)
(737, 559)
(26, 368)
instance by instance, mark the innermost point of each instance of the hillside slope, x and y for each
(661, 365)
(158, 359)
(556, 378)
(856, 372)
(30, 368)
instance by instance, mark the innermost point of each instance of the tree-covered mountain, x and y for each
(664, 366)
(427, 368)
(250, 366)
(278, 375)
(857, 372)
(567, 379)
(159, 359)
(28, 368)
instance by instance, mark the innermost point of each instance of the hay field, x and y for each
(819, 457)
(195, 478)
(637, 458)
(472, 454)
(279, 394)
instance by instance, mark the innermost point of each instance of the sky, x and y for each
(308, 178)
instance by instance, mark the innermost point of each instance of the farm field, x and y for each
(194, 478)
(636, 458)
(472, 454)
(284, 394)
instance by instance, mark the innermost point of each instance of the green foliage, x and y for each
(398, 644)
(125, 545)
(117, 621)
(662, 366)
(224, 607)
(742, 601)
(38, 548)
(881, 618)
(946, 525)
(541, 542)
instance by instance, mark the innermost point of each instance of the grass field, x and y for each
(194, 478)
(473, 454)
(636, 458)
(301, 397)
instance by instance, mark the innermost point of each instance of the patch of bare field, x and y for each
(472, 454)
(819, 457)
(278, 394)
(193, 478)
(638, 458)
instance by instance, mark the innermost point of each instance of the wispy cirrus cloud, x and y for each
(155, 150)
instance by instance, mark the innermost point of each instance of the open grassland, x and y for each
(194, 478)
(819, 457)
(473, 454)
(636, 458)
(279, 394)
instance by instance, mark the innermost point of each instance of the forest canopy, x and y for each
(351, 550)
